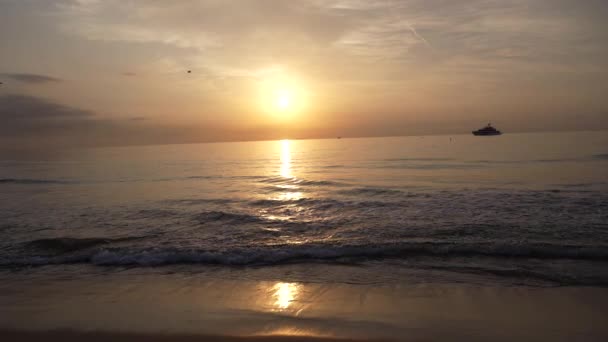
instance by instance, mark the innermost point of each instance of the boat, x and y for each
(488, 130)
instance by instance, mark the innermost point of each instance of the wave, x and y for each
(323, 203)
(202, 177)
(227, 217)
(369, 191)
(279, 188)
(418, 159)
(246, 177)
(153, 214)
(30, 181)
(198, 201)
(556, 160)
(561, 278)
(282, 254)
(432, 166)
(317, 183)
(196, 177)
(576, 185)
(276, 180)
(298, 181)
(67, 244)
(309, 202)
(525, 161)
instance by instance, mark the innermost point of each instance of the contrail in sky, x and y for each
(411, 28)
(421, 38)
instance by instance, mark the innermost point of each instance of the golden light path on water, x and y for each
(286, 159)
(291, 190)
(288, 189)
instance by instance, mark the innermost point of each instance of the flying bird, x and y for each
(189, 71)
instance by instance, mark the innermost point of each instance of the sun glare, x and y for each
(283, 99)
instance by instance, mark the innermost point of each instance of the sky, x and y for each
(123, 72)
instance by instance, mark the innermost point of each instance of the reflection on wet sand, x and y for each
(203, 304)
(294, 331)
(284, 295)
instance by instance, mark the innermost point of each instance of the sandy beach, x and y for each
(153, 307)
(74, 336)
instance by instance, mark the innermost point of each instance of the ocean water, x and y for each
(516, 209)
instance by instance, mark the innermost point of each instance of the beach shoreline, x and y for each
(102, 336)
(192, 307)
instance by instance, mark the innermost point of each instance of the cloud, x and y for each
(31, 78)
(233, 36)
(33, 123)
(197, 24)
(243, 35)
(23, 108)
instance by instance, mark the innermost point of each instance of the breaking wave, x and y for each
(215, 216)
(299, 181)
(418, 159)
(67, 244)
(30, 181)
(108, 255)
(369, 191)
(199, 201)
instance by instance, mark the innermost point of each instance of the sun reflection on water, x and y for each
(286, 159)
(291, 190)
(290, 196)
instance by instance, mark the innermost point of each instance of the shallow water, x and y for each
(515, 209)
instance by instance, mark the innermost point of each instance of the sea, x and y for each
(525, 209)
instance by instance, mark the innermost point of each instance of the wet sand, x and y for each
(182, 307)
(74, 336)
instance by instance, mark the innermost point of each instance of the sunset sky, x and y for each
(115, 72)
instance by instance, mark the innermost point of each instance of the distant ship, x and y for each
(488, 130)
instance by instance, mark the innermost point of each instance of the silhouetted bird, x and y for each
(189, 71)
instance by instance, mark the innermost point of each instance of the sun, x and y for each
(283, 99)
